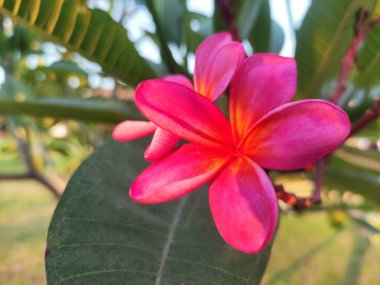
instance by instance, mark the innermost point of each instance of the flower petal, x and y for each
(131, 130)
(183, 112)
(181, 172)
(162, 142)
(227, 60)
(262, 83)
(205, 56)
(179, 78)
(244, 206)
(297, 134)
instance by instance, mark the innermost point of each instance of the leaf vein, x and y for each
(170, 238)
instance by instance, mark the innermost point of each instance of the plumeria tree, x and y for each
(201, 202)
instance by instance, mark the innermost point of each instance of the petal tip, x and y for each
(135, 194)
(149, 155)
(117, 133)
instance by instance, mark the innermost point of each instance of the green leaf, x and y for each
(322, 41)
(194, 38)
(277, 37)
(254, 23)
(369, 59)
(96, 110)
(245, 12)
(162, 38)
(91, 32)
(98, 235)
(248, 12)
(64, 67)
(171, 13)
(260, 36)
(354, 180)
(363, 159)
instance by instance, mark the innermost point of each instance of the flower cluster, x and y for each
(266, 131)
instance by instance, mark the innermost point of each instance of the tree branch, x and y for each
(46, 183)
(369, 116)
(291, 199)
(32, 172)
(226, 10)
(361, 29)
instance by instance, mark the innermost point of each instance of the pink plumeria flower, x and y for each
(265, 132)
(216, 61)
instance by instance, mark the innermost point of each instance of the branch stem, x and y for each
(32, 172)
(226, 10)
(362, 28)
(368, 117)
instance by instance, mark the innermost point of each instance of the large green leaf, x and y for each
(369, 59)
(253, 20)
(163, 33)
(357, 181)
(171, 14)
(247, 13)
(322, 41)
(96, 110)
(259, 33)
(91, 32)
(98, 235)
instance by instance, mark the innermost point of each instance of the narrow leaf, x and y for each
(322, 41)
(357, 181)
(80, 109)
(369, 59)
(91, 32)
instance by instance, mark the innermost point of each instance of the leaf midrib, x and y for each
(172, 229)
(317, 77)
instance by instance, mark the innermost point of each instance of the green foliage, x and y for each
(322, 41)
(114, 240)
(171, 13)
(164, 30)
(357, 181)
(253, 20)
(369, 60)
(16, 99)
(91, 32)
(95, 110)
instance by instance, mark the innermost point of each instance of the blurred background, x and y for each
(56, 107)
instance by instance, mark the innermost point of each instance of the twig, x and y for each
(226, 10)
(46, 183)
(361, 30)
(32, 172)
(315, 198)
(32, 176)
(18, 176)
(369, 116)
(291, 199)
(318, 180)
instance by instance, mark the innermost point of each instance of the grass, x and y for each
(308, 249)
(25, 211)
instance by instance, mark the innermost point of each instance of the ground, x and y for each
(308, 249)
